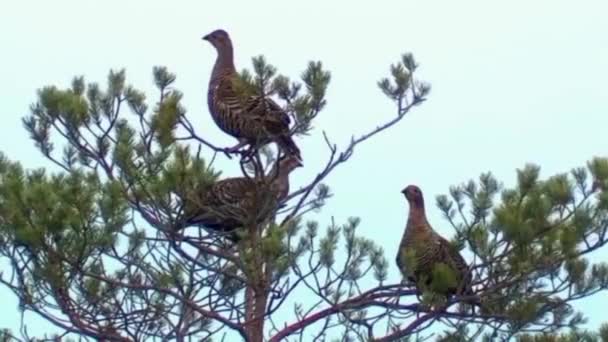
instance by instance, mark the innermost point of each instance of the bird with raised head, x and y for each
(254, 120)
(237, 202)
(422, 250)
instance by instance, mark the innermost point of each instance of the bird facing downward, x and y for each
(252, 119)
(422, 249)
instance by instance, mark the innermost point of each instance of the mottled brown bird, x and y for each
(422, 249)
(255, 120)
(235, 202)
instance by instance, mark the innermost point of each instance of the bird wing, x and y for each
(229, 191)
(217, 206)
(223, 205)
(225, 97)
(450, 253)
(417, 243)
(269, 112)
(259, 114)
(452, 257)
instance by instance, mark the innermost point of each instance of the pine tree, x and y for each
(97, 246)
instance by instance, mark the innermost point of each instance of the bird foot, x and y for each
(247, 155)
(228, 152)
(236, 149)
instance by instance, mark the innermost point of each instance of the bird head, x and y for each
(289, 163)
(219, 39)
(413, 194)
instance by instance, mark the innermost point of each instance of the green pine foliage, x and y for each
(99, 245)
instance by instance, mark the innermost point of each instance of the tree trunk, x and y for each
(256, 295)
(256, 308)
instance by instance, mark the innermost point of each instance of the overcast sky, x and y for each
(513, 82)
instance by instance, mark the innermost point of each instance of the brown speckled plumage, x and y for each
(235, 202)
(254, 120)
(429, 248)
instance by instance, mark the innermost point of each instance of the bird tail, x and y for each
(287, 144)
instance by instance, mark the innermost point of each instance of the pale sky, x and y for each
(513, 82)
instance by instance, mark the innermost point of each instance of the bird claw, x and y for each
(236, 149)
(229, 151)
(247, 155)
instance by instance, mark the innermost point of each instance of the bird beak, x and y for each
(206, 37)
(403, 191)
(299, 163)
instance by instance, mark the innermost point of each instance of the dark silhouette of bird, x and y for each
(422, 249)
(253, 119)
(238, 202)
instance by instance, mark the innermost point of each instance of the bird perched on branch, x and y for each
(253, 119)
(423, 252)
(236, 202)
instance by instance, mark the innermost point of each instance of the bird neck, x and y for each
(279, 173)
(417, 216)
(224, 63)
(280, 181)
